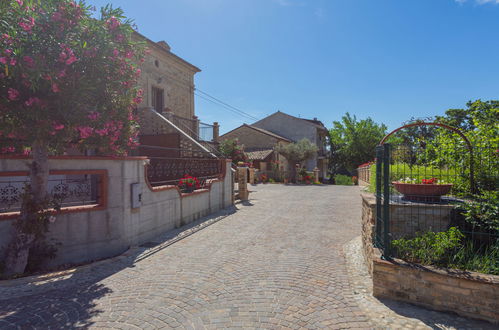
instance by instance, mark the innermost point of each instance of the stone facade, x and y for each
(466, 293)
(253, 139)
(256, 139)
(295, 129)
(165, 70)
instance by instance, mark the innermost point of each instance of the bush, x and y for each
(429, 248)
(483, 212)
(343, 180)
(448, 249)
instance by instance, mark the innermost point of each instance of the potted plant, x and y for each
(426, 190)
(188, 184)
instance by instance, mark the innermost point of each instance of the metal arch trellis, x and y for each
(382, 231)
(455, 130)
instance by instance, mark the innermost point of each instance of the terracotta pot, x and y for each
(422, 192)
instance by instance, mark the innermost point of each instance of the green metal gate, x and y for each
(382, 238)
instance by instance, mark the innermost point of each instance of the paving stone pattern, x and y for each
(278, 262)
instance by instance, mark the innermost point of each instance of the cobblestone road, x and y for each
(278, 262)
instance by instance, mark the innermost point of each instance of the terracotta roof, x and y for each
(259, 154)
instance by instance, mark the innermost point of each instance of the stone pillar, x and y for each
(216, 131)
(195, 127)
(252, 175)
(297, 173)
(316, 174)
(242, 182)
(168, 113)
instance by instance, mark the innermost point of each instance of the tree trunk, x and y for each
(18, 249)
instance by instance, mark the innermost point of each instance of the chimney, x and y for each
(163, 45)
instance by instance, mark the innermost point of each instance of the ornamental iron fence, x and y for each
(66, 190)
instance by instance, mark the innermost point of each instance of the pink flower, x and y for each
(129, 54)
(31, 101)
(26, 151)
(71, 60)
(116, 52)
(13, 94)
(62, 73)
(113, 23)
(57, 126)
(27, 24)
(55, 88)
(20, 2)
(56, 16)
(3, 60)
(29, 61)
(101, 132)
(85, 131)
(120, 38)
(13, 61)
(93, 115)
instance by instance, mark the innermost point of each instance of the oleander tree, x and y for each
(68, 80)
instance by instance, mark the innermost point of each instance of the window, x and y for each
(158, 100)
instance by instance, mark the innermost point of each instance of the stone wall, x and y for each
(251, 138)
(368, 228)
(466, 293)
(408, 219)
(91, 235)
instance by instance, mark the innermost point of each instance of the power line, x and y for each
(228, 105)
(227, 108)
(213, 99)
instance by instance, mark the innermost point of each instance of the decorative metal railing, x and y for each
(67, 189)
(168, 171)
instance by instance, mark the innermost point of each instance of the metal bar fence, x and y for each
(434, 186)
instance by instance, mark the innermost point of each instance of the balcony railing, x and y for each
(168, 171)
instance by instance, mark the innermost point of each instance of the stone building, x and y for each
(259, 145)
(168, 85)
(287, 128)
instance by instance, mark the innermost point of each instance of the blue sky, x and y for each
(387, 59)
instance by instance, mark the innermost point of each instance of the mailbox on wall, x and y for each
(136, 195)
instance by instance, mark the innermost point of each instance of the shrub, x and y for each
(483, 212)
(448, 249)
(429, 248)
(343, 180)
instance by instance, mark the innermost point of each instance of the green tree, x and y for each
(67, 79)
(297, 153)
(353, 142)
(479, 122)
(231, 149)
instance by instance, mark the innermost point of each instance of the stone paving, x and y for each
(278, 262)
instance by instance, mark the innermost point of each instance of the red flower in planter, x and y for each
(188, 182)
(429, 181)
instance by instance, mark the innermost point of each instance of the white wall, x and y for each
(91, 235)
